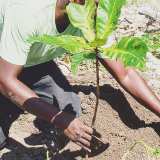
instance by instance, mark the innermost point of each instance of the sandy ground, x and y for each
(121, 120)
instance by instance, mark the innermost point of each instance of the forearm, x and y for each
(132, 82)
(27, 100)
(16, 91)
(138, 88)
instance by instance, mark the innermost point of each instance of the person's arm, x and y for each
(134, 84)
(26, 99)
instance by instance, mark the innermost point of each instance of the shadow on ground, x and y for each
(111, 95)
(119, 103)
(18, 151)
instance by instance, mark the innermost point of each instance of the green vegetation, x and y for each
(152, 151)
(97, 24)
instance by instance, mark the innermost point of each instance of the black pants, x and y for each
(50, 84)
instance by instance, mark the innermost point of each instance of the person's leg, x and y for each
(51, 85)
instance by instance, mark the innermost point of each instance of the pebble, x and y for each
(92, 96)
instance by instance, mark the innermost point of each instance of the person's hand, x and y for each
(79, 133)
(74, 129)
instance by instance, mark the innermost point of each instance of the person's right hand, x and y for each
(75, 130)
(79, 133)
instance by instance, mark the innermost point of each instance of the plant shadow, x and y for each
(73, 155)
(120, 104)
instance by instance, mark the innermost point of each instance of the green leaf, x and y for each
(82, 17)
(130, 50)
(155, 152)
(107, 17)
(151, 150)
(77, 59)
(71, 44)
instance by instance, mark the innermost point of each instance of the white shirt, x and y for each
(20, 19)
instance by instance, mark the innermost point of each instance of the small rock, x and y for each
(92, 96)
(85, 109)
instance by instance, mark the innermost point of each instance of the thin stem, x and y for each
(97, 95)
(97, 91)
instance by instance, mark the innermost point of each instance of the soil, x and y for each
(121, 120)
